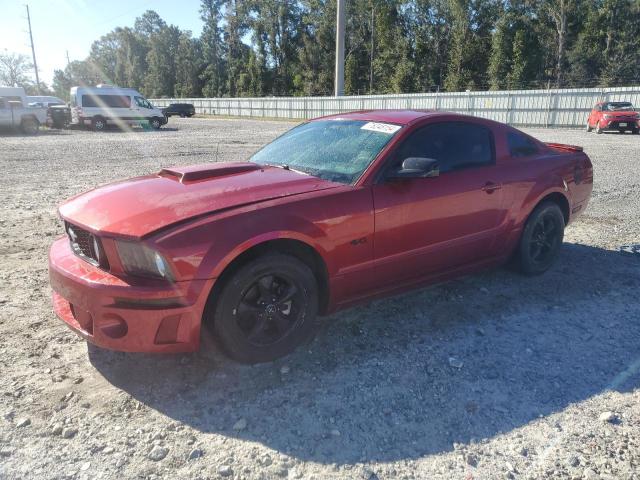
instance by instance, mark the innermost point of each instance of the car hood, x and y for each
(140, 206)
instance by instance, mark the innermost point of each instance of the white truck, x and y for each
(15, 112)
(97, 106)
(45, 101)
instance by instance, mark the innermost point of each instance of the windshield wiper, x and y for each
(285, 167)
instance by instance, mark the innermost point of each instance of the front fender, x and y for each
(216, 263)
(327, 221)
(202, 250)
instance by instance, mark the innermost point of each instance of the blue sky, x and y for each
(61, 25)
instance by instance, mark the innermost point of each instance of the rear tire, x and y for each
(266, 309)
(98, 124)
(30, 126)
(541, 239)
(588, 127)
(183, 115)
(598, 129)
(635, 131)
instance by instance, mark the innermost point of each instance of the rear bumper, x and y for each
(113, 313)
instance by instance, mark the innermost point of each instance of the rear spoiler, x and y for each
(568, 148)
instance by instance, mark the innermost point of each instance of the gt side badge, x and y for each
(359, 241)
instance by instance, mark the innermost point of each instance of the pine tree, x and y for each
(235, 27)
(213, 75)
(188, 66)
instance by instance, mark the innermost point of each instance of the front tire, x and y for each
(266, 309)
(588, 127)
(30, 126)
(541, 239)
(598, 129)
(98, 124)
(155, 123)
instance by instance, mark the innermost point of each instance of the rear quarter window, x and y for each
(520, 145)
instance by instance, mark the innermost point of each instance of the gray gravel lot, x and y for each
(491, 376)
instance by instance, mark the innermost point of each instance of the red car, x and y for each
(614, 116)
(334, 212)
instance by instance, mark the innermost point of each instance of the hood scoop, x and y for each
(196, 173)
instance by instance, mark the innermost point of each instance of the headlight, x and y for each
(138, 259)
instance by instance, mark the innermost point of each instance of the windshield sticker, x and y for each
(381, 127)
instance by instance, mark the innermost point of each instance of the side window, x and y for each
(456, 145)
(2, 104)
(520, 146)
(106, 101)
(142, 102)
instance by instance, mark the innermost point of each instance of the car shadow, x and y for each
(408, 376)
(6, 132)
(111, 128)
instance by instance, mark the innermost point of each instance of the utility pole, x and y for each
(373, 29)
(68, 62)
(33, 51)
(340, 28)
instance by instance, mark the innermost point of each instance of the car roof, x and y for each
(399, 117)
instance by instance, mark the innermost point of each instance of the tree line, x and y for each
(287, 47)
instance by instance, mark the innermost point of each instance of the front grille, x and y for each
(631, 123)
(82, 245)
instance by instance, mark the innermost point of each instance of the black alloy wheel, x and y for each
(265, 309)
(270, 308)
(541, 239)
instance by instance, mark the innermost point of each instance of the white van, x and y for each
(97, 106)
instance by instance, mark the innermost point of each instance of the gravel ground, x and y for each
(491, 376)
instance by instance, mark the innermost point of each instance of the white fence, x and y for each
(548, 108)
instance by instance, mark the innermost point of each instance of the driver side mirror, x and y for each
(416, 167)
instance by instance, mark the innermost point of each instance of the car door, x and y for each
(428, 225)
(137, 108)
(142, 106)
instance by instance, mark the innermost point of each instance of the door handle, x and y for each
(491, 187)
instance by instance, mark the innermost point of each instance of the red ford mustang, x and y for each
(336, 211)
